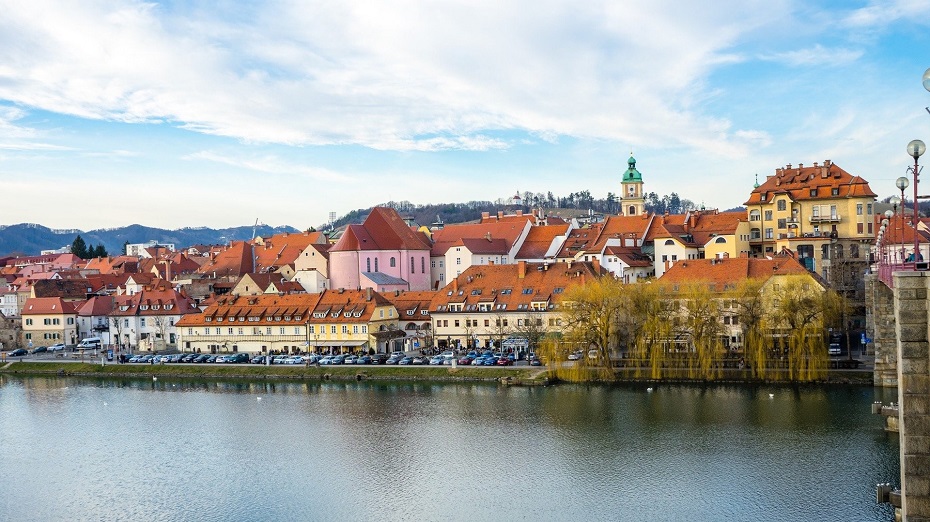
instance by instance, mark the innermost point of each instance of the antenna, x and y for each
(332, 219)
(254, 227)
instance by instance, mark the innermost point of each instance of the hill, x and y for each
(30, 238)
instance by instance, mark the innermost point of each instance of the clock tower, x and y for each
(632, 202)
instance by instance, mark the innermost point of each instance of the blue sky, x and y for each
(215, 114)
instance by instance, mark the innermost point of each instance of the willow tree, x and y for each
(658, 329)
(590, 316)
(701, 321)
(751, 311)
(801, 309)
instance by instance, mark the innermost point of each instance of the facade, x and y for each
(413, 319)
(821, 212)
(334, 321)
(381, 246)
(698, 234)
(488, 304)
(93, 319)
(48, 321)
(723, 275)
(147, 319)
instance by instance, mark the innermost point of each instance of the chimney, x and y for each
(596, 265)
(521, 269)
(368, 294)
(485, 215)
(519, 211)
(500, 214)
(455, 284)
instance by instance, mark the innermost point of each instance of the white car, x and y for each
(60, 347)
(574, 356)
(448, 354)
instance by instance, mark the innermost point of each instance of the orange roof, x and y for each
(266, 307)
(731, 270)
(283, 249)
(234, 260)
(697, 227)
(513, 287)
(452, 235)
(799, 182)
(412, 306)
(594, 238)
(47, 306)
(539, 239)
(383, 229)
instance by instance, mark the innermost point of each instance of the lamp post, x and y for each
(889, 215)
(895, 201)
(916, 149)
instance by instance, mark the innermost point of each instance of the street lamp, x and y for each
(895, 201)
(916, 149)
(889, 215)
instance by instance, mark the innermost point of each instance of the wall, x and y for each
(880, 323)
(911, 318)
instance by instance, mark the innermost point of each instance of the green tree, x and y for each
(79, 248)
(98, 251)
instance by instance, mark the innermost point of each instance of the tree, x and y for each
(79, 248)
(531, 328)
(99, 251)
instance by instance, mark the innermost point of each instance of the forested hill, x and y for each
(30, 238)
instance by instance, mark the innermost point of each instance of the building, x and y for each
(486, 305)
(821, 212)
(698, 234)
(48, 321)
(147, 319)
(632, 198)
(382, 253)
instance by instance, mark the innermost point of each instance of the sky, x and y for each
(219, 114)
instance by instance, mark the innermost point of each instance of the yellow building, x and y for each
(820, 212)
(48, 321)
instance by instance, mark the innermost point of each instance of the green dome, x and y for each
(631, 174)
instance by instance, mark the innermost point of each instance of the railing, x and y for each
(886, 271)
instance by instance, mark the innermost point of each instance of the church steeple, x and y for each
(632, 202)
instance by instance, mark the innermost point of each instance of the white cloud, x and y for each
(881, 13)
(270, 165)
(383, 75)
(816, 56)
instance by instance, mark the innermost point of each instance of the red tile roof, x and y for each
(731, 270)
(797, 182)
(452, 235)
(539, 239)
(47, 306)
(383, 229)
(233, 261)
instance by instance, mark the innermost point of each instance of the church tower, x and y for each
(632, 202)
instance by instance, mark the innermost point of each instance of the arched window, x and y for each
(393, 262)
(632, 210)
(368, 264)
(669, 242)
(720, 240)
(376, 264)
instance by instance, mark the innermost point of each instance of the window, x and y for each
(312, 328)
(782, 205)
(393, 262)
(412, 267)
(458, 260)
(813, 192)
(422, 265)
(229, 331)
(332, 329)
(868, 209)
(754, 215)
(142, 322)
(768, 215)
(782, 223)
(355, 328)
(28, 322)
(769, 233)
(376, 264)
(859, 227)
(432, 264)
(217, 331)
(368, 264)
(364, 328)
(267, 330)
(835, 191)
(456, 323)
(859, 209)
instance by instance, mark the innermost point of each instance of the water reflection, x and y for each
(180, 449)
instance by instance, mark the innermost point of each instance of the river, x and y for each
(83, 449)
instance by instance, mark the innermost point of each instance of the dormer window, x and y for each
(208, 319)
(169, 306)
(835, 191)
(156, 307)
(813, 193)
(123, 308)
(287, 318)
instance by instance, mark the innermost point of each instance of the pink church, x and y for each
(382, 253)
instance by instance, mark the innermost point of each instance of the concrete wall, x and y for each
(913, 331)
(880, 322)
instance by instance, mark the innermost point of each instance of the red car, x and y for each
(504, 361)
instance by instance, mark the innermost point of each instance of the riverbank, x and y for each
(527, 376)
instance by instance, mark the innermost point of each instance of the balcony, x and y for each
(832, 218)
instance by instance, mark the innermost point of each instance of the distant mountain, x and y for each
(30, 238)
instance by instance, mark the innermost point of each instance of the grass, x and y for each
(236, 371)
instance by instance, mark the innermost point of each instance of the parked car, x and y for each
(448, 354)
(202, 358)
(339, 359)
(352, 359)
(365, 359)
(436, 360)
(379, 358)
(39, 349)
(504, 361)
(420, 359)
(406, 360)
(574, 356)
(394, 359)
(466, 360)
(60, 347)
(535, 362)
(327, 360)
(19, 352)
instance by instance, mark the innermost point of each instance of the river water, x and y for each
(76, 449)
